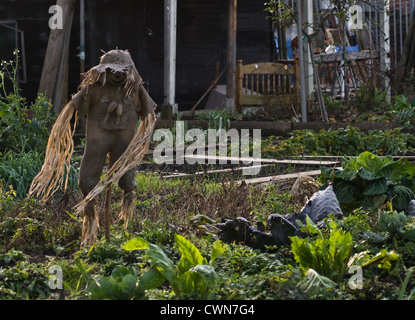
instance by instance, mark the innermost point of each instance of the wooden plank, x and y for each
(271, 100)
(259, 89)
(53, 59)
(60, 93)
(263, 160)
(267, 68)
(189, 175)
(276, 179)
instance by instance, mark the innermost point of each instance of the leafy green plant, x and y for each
(12, 256)
(24, 132)
(217, 119)
(368, 96)
(344, 141)
(22, 127)
(402, 111)
(18, 171)
(405, 284)
(6, 197)
(386, 260)
(192, 276)
(24, 280)
(370, 181)
(326, 254)
(123, 284)
(316, 285)
(391, 226)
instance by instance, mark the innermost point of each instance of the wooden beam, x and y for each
(60, 93)
(264, 160)
(276, 179)
(56, 54)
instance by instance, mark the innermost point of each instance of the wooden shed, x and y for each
(138, 25)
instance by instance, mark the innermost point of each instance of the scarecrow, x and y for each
(113, 99)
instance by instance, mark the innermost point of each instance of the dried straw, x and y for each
(54, 173)
(127, 208)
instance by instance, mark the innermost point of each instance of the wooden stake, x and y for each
(56, 52)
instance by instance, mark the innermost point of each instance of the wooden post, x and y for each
(82, 38)
(53, 70)
(61, 86)
(239, 84)
(231, 56)
(170, 23)
(407, 59)
(297, 81)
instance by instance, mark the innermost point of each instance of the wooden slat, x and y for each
(267, 67)
(264, 160)
(268, 83)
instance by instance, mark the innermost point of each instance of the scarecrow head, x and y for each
(117, 69)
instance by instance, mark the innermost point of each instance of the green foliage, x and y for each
(245, 273)
(21, 279)
(12, 256)
(6, 197)
(384, 259)
(192, 276)
(327, 255)
(316, 285)
(217, 119)
(405, 284)
(369, 97)
(22, 127)
(279, 11)
(391, 225)
(24, 132)
(123, 284)
(30, 226)
(369, 181)
(344, 141)
(402, 112)
(357, 222)
(18, 171)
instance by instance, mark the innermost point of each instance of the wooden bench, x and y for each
(267, 84)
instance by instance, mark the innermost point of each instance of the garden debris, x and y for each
(281, 227)
(241, 231)
(205, 225)
(304, 187)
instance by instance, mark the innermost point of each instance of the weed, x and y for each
(22, 127)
